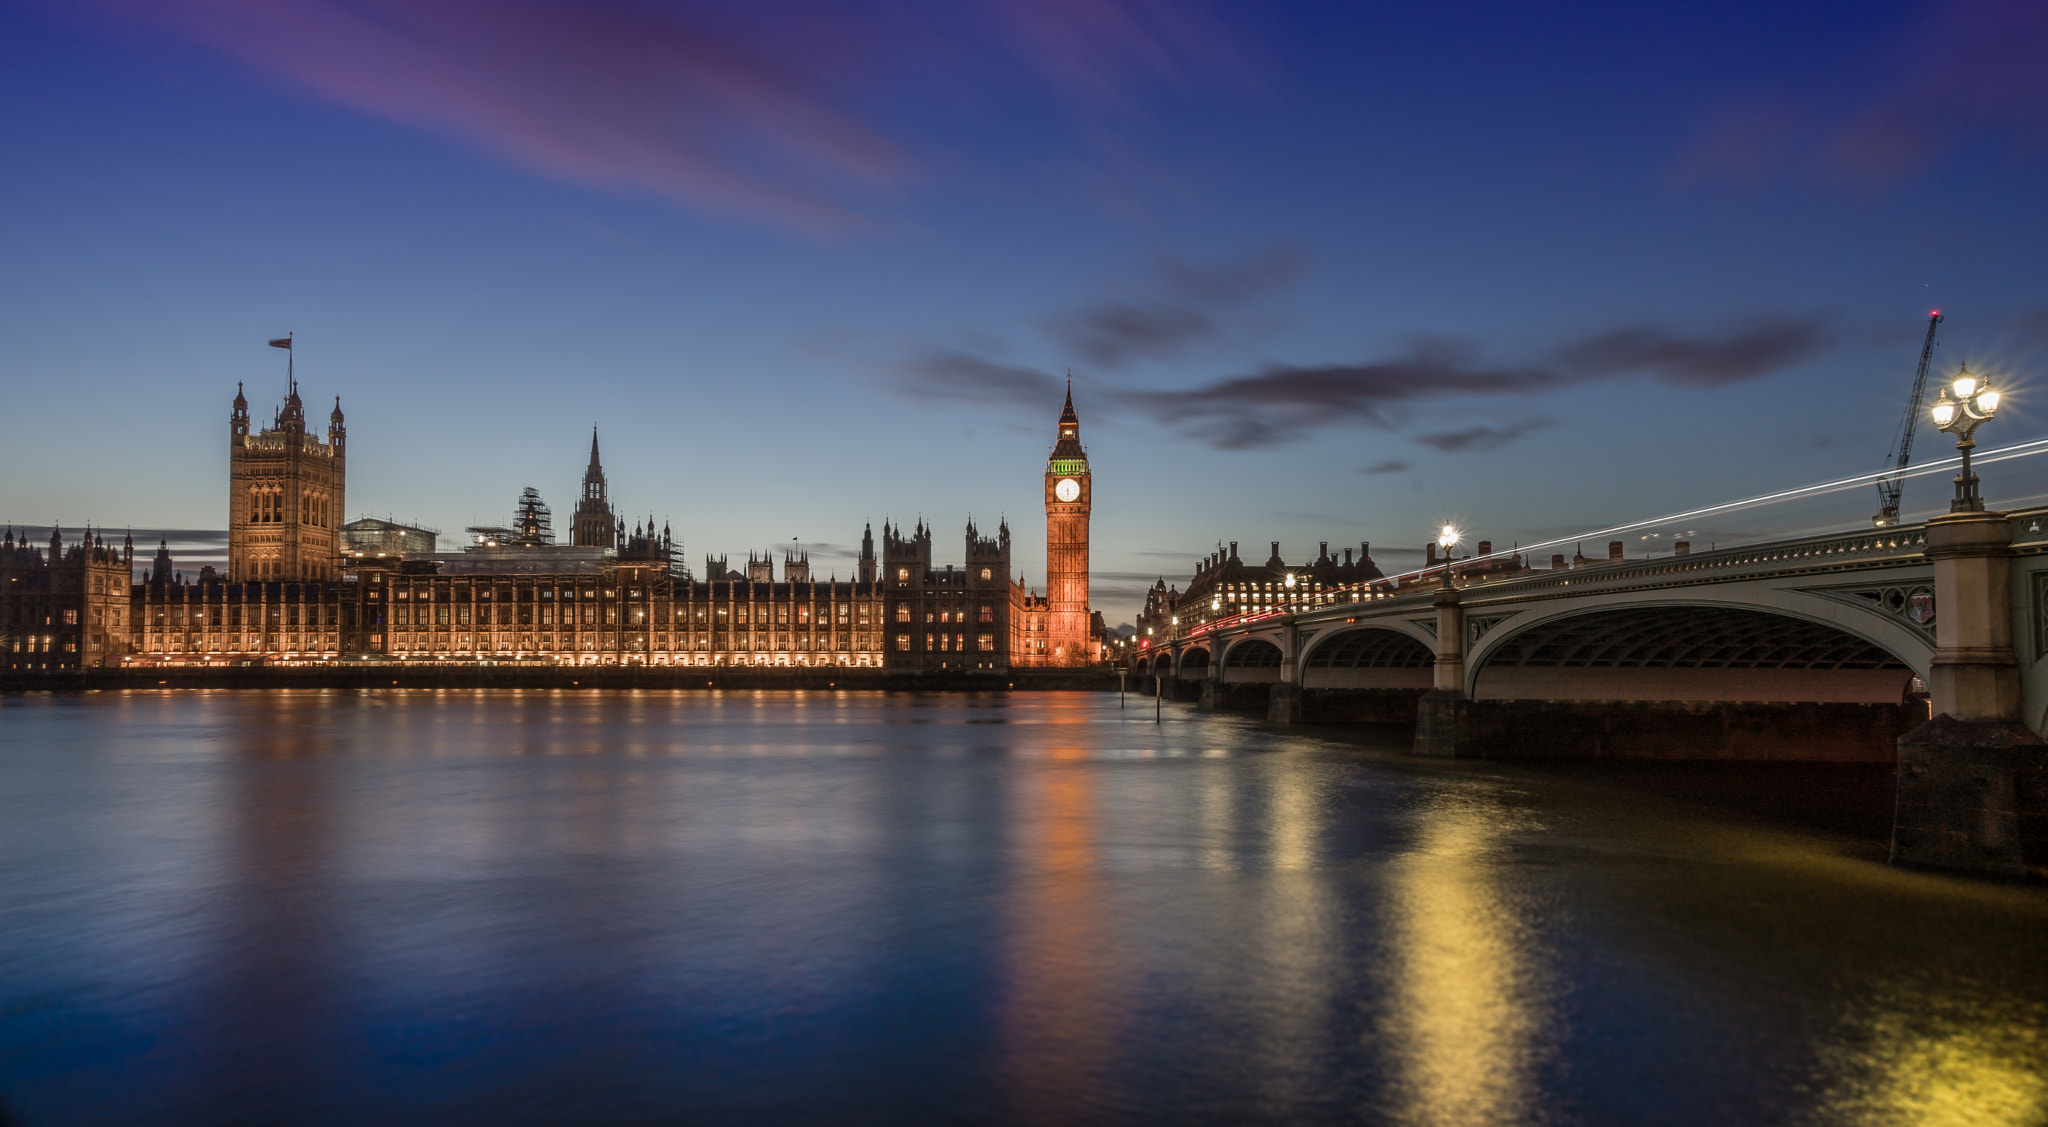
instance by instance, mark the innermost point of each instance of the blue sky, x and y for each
(1321, 272)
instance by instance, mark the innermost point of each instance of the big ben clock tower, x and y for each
(1068, 499)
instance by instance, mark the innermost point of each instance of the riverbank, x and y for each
(379, 675)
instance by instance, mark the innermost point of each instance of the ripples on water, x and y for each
(547, 907)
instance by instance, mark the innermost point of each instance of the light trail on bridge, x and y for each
(2026, 449)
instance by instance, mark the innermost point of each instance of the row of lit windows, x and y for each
(269, 505)
(948, 643)
(464, 643)
(202, 615)
(986, 613)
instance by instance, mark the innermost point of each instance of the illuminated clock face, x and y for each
(1067, 489)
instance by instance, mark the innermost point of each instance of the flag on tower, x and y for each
(282, 342)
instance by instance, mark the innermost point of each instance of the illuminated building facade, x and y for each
(286, 495)
(292, 596)
(1059, 629)
(1224, 586)
(947, 618)
(64, 607)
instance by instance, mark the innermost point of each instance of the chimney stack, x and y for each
(1347, 557)
(1486, 547)
(1429, 553)
(1614, 551)
(1681, 547)
(1557, 561)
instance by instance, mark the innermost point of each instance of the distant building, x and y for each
(66, 608)
(372, 538)
(302, 589)
(1224, 586)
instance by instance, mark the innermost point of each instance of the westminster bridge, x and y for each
(1829, 647)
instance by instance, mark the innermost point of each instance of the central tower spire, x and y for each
(594, 526)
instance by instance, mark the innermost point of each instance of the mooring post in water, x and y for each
(1158, 692)
(1120, 675)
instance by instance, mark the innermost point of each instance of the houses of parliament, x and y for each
(303, 588)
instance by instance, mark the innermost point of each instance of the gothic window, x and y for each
(985, 573)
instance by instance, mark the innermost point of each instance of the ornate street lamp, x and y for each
(1973, 403)
(1447, 539)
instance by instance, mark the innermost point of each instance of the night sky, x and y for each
(1320, 271)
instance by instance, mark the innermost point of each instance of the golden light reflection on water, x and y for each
(1054, 1039)
(1468, 1025)
(1899, 1063)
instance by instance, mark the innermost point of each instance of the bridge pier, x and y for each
(1443, 729)
(1283, 700)
(1973, 781)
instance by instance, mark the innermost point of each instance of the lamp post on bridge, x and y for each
(1442, 728)
(1974, 403)
(1967, 776)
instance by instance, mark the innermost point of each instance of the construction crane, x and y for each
(1902, 446)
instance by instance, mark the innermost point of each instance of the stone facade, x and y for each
(286, 495)
(64, 608)
(291, 596)
(948, 618)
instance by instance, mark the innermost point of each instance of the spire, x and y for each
(241, 401)
(595, 468)
(1068, 445)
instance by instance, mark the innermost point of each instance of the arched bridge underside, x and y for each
(1688, 653)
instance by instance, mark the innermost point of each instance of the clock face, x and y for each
(1067, 489)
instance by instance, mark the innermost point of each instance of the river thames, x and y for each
(431, 907)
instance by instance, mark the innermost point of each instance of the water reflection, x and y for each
(1055, 1040)
(1468, 1023)
(1898, 1061)
(452, 907)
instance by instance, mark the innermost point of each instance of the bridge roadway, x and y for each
(1820, 647)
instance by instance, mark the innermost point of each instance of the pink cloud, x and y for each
(737, 110)
(1973, 70)
(604, 93)
(1983, 70)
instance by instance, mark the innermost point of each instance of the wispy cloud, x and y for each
(2032, 326)
(1479, 439)
(1184, 305)
(1975, 73)
(1284, 402)
(726, 109)
(948, 373)
(1392, 466)
(606, 93)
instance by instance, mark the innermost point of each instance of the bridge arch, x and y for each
(1193, 664)
(1369, 657)
(1690, 651)
(1251, 660)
